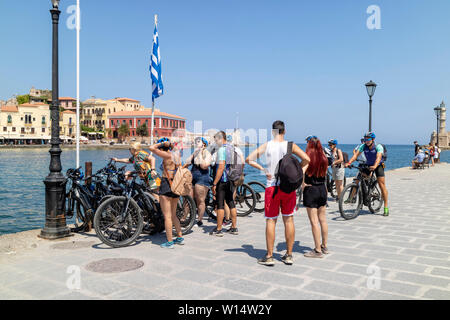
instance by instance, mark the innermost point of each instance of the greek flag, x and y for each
(155, 68)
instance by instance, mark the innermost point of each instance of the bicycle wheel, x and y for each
(332, 187)
(350, 202)
(210, 206)
(152, 215)
(375, 199)
(186, 213)
(259, 189)
(82, 218)
(245, 200)
(111, 228)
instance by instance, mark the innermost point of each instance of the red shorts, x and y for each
(284, 201)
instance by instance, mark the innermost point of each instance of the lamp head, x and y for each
(371, 86)
(437, 111)
(55, 4)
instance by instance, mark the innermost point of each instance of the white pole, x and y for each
(153, 122)
(78, 85)
(153, 101)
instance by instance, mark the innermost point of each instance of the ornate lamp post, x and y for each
(55, 220)
(437, 111)
(370, 86)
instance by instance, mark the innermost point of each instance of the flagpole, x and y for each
(78, 86)
(153, 100)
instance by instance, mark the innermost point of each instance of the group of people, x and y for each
(424, 154)
(211, 170)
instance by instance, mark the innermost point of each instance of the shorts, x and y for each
(315, 196)
(201, 178)
(338, 173)
(284, 201)
(224, 192)
(165, 190)
(379, 171)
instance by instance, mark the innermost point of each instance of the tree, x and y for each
(142, 131)
(23, 99)
(123, 131)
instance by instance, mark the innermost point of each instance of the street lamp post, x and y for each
(437, 111)
(55, 220)
(370, 86)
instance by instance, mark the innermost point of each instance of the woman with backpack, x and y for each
(168, 200)
(315, 197)
(201, 180)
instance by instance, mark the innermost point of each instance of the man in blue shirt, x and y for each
(223, 188)
(418, 159)
(374, 158)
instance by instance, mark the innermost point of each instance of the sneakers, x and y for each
(199, 223)
(287, 259)
(386, 212)
(226, 222)
(233, 231)
(217, 233)
(314, 254)
(168, 245)
(179, 241)
(266, 261)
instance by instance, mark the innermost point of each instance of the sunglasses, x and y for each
(365, 140)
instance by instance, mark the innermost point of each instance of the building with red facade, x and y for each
(165, 125)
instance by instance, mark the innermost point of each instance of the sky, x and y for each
(304, 62)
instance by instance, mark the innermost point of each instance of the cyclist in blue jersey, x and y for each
(374, 158)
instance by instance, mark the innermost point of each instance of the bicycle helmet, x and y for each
(370, 135)
(308, 138)
(162, 140)
(333, 141)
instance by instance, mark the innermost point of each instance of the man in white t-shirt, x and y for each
(274, 151)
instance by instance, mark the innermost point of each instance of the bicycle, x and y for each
(244, 195)
(119, 220)
(364, 193)
(259, 189)
(331, 185)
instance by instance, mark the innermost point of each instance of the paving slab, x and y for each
(405, 255)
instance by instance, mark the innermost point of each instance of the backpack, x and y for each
(329, 156)
(345, 156)
(289, 173)
(234, 168)
(182, 182)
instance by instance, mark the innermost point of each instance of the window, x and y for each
(112, 123)
(70, 121)
(32, 130)
(131, 123)
(43, 119)
(124, 121)
(9, 119)
(70, 130)
(43, 130)
(14, 129)
(22, 130)
(4, 129)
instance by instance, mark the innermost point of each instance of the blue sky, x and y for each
(304, 62)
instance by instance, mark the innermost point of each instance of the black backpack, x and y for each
(345, 156)
(289, 172)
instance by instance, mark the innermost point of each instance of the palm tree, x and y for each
(123, 131)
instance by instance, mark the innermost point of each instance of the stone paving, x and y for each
(404, 256)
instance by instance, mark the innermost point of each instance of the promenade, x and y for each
(403, 256)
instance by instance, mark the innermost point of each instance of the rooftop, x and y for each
(144, 113)
(9, 109)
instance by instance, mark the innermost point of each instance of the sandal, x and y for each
(324, 250)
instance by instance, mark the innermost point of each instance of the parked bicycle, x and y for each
(364, 193)
(119, 220)
(245, 202)
(331, 185)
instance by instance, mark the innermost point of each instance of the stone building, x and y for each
(40, 96)
(444, 135)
